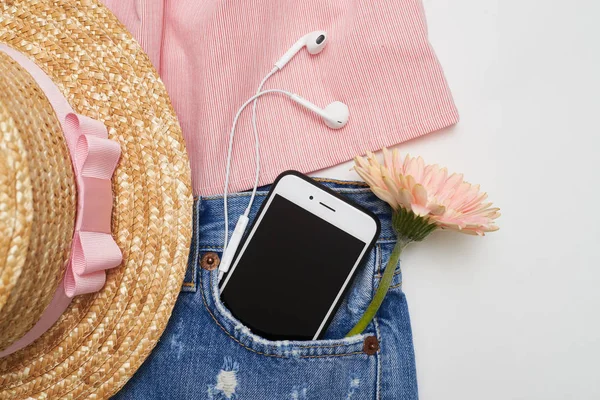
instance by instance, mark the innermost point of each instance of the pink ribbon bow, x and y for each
(93, 250)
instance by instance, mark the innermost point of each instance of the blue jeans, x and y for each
(205, 353)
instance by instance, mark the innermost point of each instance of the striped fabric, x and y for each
(213, 54)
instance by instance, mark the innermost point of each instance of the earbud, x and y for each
(335, 115)
(314, 42)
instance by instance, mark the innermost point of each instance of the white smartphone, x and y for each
(298, 259)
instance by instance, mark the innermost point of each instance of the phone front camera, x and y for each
(310, 197)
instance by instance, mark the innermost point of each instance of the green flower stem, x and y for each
(384, 285)
(409, 227)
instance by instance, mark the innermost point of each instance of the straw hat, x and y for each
(96, 344)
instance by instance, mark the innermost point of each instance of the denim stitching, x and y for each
(379, 261)
(262, 193)
(378, 355)
(376, 324)
(323, 346)
(258, 352)
(378, 334)
(379, 276)
(339, 182)
(380, 270)
(194, 247)
(364, 188)
(396, 285)
(334, 355)
(197, 226)
(220, 248)
(265, 193)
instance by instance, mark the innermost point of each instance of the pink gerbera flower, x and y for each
(424, 198)
(429, 192)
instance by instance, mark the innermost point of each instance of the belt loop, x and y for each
(191, 273)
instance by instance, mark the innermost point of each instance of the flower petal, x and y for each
(388, 161)
(367, 177)
(420, 210)
(428, 190)
(407, 197)
(437, 209)
(398, 168)
(385, 196)
(420, 194)
(400, 198)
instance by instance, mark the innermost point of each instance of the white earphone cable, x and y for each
(230, 150)
(314, 42)
(256, 140)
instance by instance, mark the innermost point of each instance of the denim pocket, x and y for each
(335, 367)
(333, 345)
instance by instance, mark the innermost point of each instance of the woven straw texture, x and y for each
(38, 168)
(102, 338)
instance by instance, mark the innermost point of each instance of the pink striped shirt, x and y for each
(213, 54)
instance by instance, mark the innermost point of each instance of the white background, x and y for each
(516, 314)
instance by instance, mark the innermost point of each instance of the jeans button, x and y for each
(210, 261)
(371, 345)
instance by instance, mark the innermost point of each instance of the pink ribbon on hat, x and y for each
(94, 158)
(94, 249)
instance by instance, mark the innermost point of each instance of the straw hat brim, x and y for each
(102, 338)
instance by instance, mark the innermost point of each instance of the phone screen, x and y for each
(290, 273)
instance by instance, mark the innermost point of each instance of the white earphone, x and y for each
(314, 42)
(335, 116)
